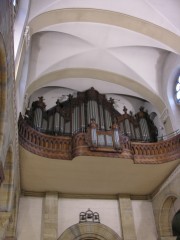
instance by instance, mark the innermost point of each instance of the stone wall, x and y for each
(8, 129)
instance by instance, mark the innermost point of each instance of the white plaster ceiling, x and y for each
(155, 11)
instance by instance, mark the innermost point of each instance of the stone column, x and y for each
(50, 217)
(126, 218)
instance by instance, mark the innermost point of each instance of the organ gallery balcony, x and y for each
(89, 125)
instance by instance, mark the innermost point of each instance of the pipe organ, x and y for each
(76, 114)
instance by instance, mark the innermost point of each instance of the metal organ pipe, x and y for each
(44, 124)
(50, 123)
(82, 117)
(101, 117)
(132, 130)
(72, 121)
(137, 133)
(67, 127)
(56, 122)
(116, 139)
(122, 127)
(108, 120)
(144, 129)
(61, 124)
(96, 112)
(127, 126)
(37, 118)
(77, 118)
(88, 112)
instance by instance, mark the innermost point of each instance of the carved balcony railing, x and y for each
(97, 143)
(159, 152)
(42, 144)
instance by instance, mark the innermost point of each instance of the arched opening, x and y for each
(165, 225)
(3, 81)
(89, 231)
(6, 189)
(177, 89)
(176, 225)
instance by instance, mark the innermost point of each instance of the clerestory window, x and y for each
(15, 7)
(178, 89)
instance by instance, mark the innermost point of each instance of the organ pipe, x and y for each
(38, 118)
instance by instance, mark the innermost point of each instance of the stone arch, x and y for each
(97, 74)
(165, 225)
(6, 190)
(87, 231)
(3, 83)
(105, 17)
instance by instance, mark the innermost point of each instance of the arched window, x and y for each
(15, 7)
(178, 89)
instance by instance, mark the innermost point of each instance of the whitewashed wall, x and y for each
(50, 95)
(144, 220)
(69, 210)
(29, 218)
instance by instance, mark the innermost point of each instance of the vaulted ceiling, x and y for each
(123, 42)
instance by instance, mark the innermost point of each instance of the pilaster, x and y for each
(127, 220)
(50, 217)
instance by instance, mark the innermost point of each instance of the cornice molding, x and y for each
(86, 196)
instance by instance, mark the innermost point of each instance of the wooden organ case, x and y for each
(91, 109)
